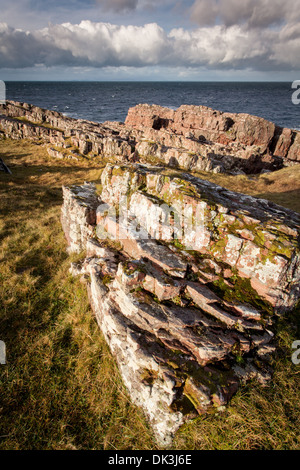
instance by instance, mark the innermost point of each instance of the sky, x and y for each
(195, 40)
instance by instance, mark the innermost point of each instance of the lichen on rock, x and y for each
(184, 347)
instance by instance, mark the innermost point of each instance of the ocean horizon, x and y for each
(101, 101)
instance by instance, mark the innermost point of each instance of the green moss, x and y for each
(131, 267)
(149, 376)
(187, 188)
(177, 300)
(284, 246)
(242, 291)
(218, 248)
(178, 244)
(136, 289)
(107, 279)
(259, 238)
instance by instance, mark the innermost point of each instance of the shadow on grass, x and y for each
(289, 199)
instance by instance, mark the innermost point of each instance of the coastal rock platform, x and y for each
(194, 138)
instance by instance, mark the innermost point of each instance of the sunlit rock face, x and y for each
(186, 280)
(201, 138)
(190, 138)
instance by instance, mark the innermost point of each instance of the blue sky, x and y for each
(150, 40)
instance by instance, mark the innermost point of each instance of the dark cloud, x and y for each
(255, 13)
(20, 49)
(118, 5)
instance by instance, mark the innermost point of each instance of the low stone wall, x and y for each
(186, 326)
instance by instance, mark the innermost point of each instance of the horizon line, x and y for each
(149, 81)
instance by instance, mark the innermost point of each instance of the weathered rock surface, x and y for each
(197, 137)
(187, 313)
(24, 121)
(191, 137)
(252, 238)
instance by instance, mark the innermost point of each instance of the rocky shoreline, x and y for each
(193, 138)
(187, 280)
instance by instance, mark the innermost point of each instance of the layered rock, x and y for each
(191, 138)
(24, 121)
(255, 239)
(184, 278)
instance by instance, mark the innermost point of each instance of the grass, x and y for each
(281, 187)
(61, 388)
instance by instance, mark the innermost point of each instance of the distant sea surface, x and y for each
(110, 101)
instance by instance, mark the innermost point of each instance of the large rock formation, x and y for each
(185, 279)
(24, 121)
(228, 141)
(191, 138)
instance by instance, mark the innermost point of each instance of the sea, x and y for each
(110, 101)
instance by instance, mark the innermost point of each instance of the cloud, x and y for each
(19, 49)
(118, 5)
(254, 13)
(91, 44)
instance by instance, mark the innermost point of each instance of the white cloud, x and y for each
(104, 44)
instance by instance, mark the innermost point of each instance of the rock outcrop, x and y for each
(191, 138)
(186, 280)
(24, 121)
(197, 137)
